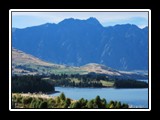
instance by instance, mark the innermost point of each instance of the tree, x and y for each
(104, 103)
(98, 101)
(43, 105)
(90, 104)
(76, 105)
(118, 105)
(33, 103)
(37, 103)
(58, 100)
(68, 101)
(111, 104)
(125, 106)
(26, 100)
(83, 102)
(18, 99)
(62, 96)
(51, 103)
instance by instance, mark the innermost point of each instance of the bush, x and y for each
(43, 105)
(27, 100)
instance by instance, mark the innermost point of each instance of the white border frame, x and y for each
(80, 10)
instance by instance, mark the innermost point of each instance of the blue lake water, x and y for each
(133, 97)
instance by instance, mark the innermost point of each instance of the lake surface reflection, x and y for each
(133, 97)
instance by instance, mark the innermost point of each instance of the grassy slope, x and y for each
(22, 63)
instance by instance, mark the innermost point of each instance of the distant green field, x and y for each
(107, 83)
(75, 80)
(50, 69)
(66, 71)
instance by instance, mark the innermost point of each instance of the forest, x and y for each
(30, 83)
(130, 84)
(94, 80)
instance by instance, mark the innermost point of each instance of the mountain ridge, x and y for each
(78, 42)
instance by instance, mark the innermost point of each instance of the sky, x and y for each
(27, 19)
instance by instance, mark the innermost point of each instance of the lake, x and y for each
(133, 97)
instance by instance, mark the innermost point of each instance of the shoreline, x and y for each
(36, 95)
(105, 87)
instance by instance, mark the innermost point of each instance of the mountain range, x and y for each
(77, 42)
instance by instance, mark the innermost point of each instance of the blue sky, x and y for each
(27, 19)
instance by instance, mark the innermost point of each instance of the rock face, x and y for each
(79, 42)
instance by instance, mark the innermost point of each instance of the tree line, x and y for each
(85, 77)
(87, 80)
(62, 101)
(130, 84)
(93, 80)
(81, 83)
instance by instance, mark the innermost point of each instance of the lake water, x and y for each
(133, 97)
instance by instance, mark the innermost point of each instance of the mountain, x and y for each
(113, 73)
(21, 58)
(24, 64)
(77, 42)
(100, 69)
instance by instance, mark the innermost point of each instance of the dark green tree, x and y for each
(43, 105)
(118, 105)
(125, 106)
(83, 102)
(90, 104)
(26, 100)
(67, 103)
(62, 96)
(104, 103)
(51, 103)
(97, 101)
(76, 105)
